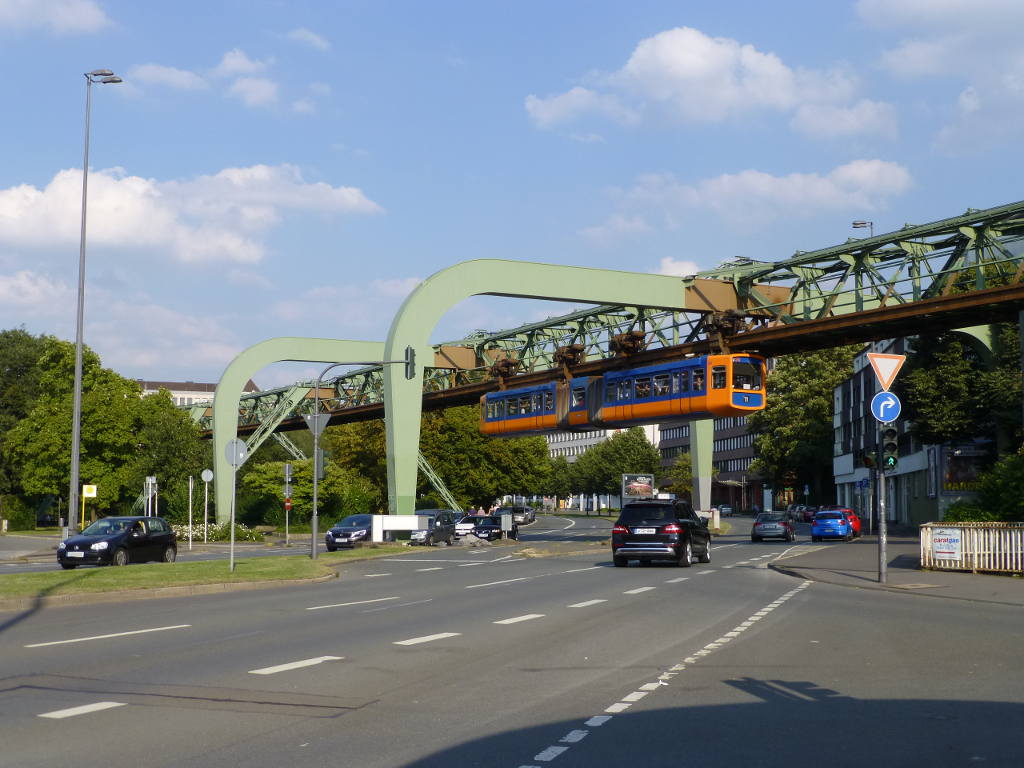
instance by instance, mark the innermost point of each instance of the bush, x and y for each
(20, 515)
(217, 532)
(966, 512)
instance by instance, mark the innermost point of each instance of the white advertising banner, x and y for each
(947, 543)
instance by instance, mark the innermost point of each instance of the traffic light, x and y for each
(869, 460)
(890, 448)
(410, 363)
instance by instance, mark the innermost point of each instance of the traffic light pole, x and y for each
(883, 574)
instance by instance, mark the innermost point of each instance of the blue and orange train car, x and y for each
(695, 387)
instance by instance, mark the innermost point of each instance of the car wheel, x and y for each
(815, 539)
(68, 566)
(120, 557)
(618, 562)
(686, 556)
(791, 538)
(706, 557)
(331, 548)
(429, 541)
(754, 539)
(646, 563)
(170, 553)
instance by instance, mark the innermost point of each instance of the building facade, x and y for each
(185, 393)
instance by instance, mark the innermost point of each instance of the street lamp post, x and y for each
(96, 76)
(316, 426)
(869, 225)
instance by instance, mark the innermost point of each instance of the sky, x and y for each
(271, 168)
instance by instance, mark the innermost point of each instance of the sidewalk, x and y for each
(855, 564)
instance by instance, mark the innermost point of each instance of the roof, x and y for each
(190, 386)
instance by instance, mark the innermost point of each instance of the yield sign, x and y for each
(886, 367)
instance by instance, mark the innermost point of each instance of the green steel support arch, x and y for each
(421, 311)
(229, 392)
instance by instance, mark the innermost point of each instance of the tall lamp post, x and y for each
(103, 76)
(868, 225)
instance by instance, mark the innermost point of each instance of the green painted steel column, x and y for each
(249, 362)
(421, 311)
(702, 447)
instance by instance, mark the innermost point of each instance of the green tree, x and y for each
(20, 352)
(562, 478)
(600, 468)
(793, 434)
(680, 476)
(952, 396)
(343, 491)
(1000, 497)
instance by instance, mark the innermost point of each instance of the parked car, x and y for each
(808, 513)
(465, 526)
(725, 510)
(490, 528)
(440, 526)
(855, 522)
(831, 524)
(520, 515)
(772, 525)
(349, 532)
(119, 541)
(659, 529)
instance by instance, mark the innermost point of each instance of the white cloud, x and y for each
(62, 17)
(254, 91)
(754, 198)
(831, 120)
(304, 106)
(210, 218)
(615, 228)
(670, 266)
(687, 76)
(236, 62)
(157, 74)
(547, 112)
(310, 38)
(922, 14)
(28, 290)
(320, 89)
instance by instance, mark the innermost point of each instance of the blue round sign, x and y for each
(886, 407)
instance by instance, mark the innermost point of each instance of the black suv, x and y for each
(660, 529)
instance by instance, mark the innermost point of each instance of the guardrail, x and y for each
(975, 547)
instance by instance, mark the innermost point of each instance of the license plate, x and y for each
(645, 530)
(74, 554)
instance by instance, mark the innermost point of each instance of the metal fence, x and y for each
(996, 547)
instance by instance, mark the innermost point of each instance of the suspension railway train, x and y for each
(695, 387)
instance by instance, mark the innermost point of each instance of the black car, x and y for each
(119, 541)
(490, 528)
(439, 526)
(350, 531)
(660, 529)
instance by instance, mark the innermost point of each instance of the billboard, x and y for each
(637, 487)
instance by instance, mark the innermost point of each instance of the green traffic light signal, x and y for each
(890, 448)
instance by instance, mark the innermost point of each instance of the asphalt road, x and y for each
(458, 656)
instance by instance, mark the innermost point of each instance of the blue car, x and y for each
(832, 524)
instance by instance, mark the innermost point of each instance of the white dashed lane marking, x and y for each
(517, 619)
(427, 638)
(356, 602)
(587, 603)
(637, 591)
(85, 709)
(294, 665)
(105, 637)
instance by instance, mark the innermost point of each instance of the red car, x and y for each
(855, 521)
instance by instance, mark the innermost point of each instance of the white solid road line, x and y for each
(105, 637)
(357, 602)
(85, 709)
(587, 603)
(294, 665)
(435, 568)
(517, 619)
(427, 638)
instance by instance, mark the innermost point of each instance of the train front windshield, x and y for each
(746, 375)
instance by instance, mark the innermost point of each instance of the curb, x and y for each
(29, 603)
(797, 573)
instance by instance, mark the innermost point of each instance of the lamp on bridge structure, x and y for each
(869, 225)
(104, 76)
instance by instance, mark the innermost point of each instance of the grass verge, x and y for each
(87, 580)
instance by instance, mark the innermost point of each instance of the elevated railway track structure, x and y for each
(967, 270)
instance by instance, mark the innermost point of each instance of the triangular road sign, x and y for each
(886, 367)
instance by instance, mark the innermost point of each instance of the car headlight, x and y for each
(99, 545)
(62, 545)
(357, 533)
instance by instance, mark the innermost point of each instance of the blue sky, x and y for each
(294, 168)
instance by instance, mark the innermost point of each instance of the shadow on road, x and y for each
(786, 724)
(37, 601)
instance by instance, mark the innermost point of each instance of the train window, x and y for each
(746, 376)
(549, 401)
(609, 392)
(625, 390)
(718, 377)
(513, 406)
(577, 397)
(698, 381)
(524, 404)
(643, 388)
(661, 385)
(682, 381)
